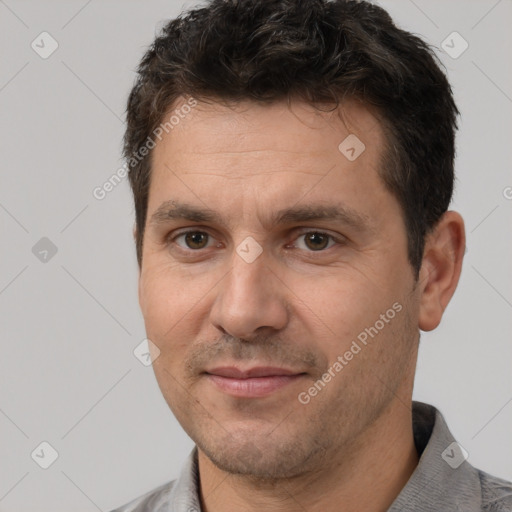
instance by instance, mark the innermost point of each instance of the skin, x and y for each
(299, 305)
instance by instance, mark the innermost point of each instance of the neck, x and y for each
(368, 475)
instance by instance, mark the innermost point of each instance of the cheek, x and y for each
(339, 307)
(157, 300)
(162, 300)
(174, 306)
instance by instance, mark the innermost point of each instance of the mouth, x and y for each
(252, 382)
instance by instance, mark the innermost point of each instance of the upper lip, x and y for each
(258, 371)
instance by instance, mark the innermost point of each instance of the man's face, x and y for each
(254, 303)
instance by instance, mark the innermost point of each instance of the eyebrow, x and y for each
(177, 210)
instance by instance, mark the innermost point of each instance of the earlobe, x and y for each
(441, 268)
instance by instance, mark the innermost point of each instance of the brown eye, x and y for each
(316, 241)
(195, 239)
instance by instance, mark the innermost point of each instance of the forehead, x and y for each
(249, 156)
(281, 132)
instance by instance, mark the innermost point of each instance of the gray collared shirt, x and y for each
(443, 481)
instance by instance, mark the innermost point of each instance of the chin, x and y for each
(260, 457)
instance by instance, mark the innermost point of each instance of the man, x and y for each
(292, 167)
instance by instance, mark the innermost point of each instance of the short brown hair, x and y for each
(320, 51)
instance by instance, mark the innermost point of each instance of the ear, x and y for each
(440, 268)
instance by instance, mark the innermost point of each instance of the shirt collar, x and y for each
(443, 479)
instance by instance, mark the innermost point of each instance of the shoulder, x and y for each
(156, 500)
(496, 493)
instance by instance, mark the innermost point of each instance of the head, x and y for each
(292, 167)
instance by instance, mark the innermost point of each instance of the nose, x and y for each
(251, 298)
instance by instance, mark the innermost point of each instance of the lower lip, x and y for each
(252, 387)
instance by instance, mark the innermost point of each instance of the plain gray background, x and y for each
(69, 325)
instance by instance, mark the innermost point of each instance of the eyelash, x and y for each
(337, 240)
